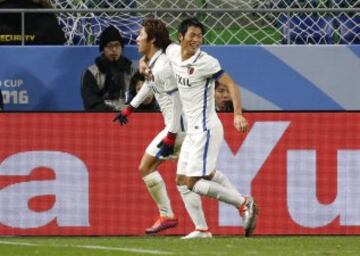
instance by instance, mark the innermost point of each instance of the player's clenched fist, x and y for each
(122, 116)
(167, 145)
(241, 123)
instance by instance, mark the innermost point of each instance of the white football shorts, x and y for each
(199, 152)
(153, 150)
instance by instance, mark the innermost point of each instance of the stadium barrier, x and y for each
(76, 174)
(47, 78)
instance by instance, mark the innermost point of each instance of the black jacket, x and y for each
(104, 81)
(40, 28)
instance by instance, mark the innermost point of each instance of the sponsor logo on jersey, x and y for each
(183, 80)
(190, 69)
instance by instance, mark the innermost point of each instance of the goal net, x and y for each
(227, 21)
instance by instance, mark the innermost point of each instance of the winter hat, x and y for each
(108, 35)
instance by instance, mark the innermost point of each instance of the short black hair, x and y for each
(190, 22)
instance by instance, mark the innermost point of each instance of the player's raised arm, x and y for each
(240, 121)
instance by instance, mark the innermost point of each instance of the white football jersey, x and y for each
(195, 78)
(162, 86)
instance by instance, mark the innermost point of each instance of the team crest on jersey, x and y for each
(190, 69)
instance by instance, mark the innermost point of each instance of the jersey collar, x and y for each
(193, 58)
(154, 58)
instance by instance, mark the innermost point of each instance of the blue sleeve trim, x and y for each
(218, 74)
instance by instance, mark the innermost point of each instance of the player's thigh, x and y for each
(148, 164)
(204, 153)
(152, 149)
(184, 156)
(178, 145)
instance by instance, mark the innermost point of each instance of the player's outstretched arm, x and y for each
(122, 117)
(240, 122)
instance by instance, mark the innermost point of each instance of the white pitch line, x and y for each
(16, 243)
(91, 247)
(96, 247)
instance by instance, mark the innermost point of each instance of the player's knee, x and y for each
(180, 180)
(144, 170)
(212, 174)
(190, 186)
(190, 183)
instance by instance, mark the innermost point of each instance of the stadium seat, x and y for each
(349, 29)
(306, 29)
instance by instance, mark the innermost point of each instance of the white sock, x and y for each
(193, 206)
(219, 192)
(157, 189)
(221, 179)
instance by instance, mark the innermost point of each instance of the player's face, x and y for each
(192, 39)
(112, 50)
(142, 42)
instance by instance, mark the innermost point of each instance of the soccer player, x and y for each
(152, 40)
(196, 72)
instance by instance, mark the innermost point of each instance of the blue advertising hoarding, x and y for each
(47, 78)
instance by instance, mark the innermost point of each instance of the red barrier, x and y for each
(76, 174)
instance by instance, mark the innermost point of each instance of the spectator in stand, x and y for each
(40, 28)
(149, 103)
(223, 101)
(105, 83)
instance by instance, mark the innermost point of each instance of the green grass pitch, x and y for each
(173, 245)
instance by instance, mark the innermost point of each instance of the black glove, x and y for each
(122, 116)
(167, 145)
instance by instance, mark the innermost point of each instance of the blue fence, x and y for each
(41, 78)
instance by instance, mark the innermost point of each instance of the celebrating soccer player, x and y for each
(196, 72)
